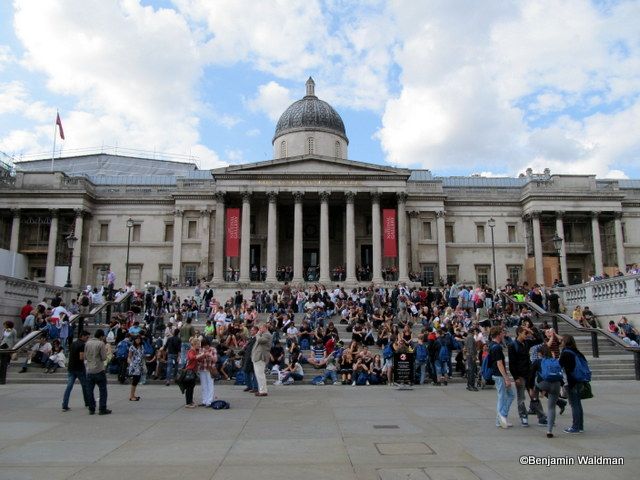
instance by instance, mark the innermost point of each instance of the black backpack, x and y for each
(220, 405)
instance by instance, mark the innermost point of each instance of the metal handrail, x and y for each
(594, 332)
(5, 354)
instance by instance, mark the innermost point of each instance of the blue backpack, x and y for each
(122, 350)
(421, 353)
(220, 405)
(387, 353)
(240, 378)
(581, 372)
(550, 370)
(485, 368)
(443, 354)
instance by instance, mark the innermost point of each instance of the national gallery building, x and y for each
(310, 214)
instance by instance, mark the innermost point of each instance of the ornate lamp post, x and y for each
(557, 245)
(71, 242)
(129, 227)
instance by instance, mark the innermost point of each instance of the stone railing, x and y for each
(613, 296)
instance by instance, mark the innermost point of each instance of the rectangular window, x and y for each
(511, 233)
(135, 232)
(168, 232)
(104, 232)
(192, 229)
(482, 274)
(190, 272)
(514, 272)
(135, 275)
(426, 231)
(165, 274)
(429, 274)
(452, 273)
(480, 233)
(449, 233)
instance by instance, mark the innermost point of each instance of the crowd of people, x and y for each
(344, 336)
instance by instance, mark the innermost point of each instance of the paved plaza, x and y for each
(298, 432)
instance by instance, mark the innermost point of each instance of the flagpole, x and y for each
(53, 153)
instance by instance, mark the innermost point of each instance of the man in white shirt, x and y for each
(57, 312)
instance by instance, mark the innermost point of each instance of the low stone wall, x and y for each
(15, 292)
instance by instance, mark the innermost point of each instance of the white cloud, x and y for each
(466, 73)
(120, 61)
(271, 99)
(254, 132)
(6, 56)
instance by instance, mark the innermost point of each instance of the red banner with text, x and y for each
(233, 232)
(390, 247)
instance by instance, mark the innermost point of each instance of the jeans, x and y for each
(296, 376)
(472, 371)
(553, 393)
(330, 374)
(71, 379)
(505, 396)
(252, 382)
(183, 353)
(171, 366)
(576, 407)
(99, 379)
(441, 368)
(422, 368)
(521, 398)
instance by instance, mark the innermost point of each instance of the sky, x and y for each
(457, 87)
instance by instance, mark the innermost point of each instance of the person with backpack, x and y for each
(520, 367)
(122, 355)
(422, 355)
(549, 379)
(443, 355)
(496, 362)
(577, 369)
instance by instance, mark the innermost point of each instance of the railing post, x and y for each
(594, 344)
(636, 357)
(6, 357)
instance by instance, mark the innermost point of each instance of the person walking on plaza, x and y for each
(76, 369)
(500, 376)
(173, 346)
(471, 354)
(548, 373)
(520, 368)
(191, 371)
(260, 357)
(135, 359)
(95, 353)
(577, 370)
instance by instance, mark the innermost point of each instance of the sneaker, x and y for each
(92, 411)
(368, 382)
(321, 382)
(104, 412)
(335, 383)
(531, 410)
(549, 435)
(277, 382)
(524, 421)
(290, 382)
(571, 430)
(65, 409)
(543, 423)
(503, 421)
(353, 384)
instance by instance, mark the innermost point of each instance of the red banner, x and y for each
(233, 232)
(390, 248)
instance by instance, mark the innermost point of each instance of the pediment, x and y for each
(311, 165)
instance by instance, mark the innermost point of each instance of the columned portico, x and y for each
(376, 233)
(402, 238)
(245, 237)
(51, 250)
(297, 237)
(324, 237)
(272, 236)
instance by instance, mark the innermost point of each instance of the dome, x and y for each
(310, 113)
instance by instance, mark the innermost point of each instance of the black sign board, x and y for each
(403, 367)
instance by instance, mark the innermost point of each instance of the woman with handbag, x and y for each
(574, 365)
(135, 360)
(190, 372)
(207, 359)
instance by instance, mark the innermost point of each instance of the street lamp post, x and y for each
(557, 245)
(71, 242)
(129, 227)
(492, 225)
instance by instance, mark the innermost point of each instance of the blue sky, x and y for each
(454, 86)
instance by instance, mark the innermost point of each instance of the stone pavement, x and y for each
(298, 432)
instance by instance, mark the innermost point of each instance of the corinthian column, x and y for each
(350, 238)
(298, 275)
(537, 248)
(563, 248)
(51, 250)
(272, 236)
(402, 238)
(245, 238)
(376, 234)
(77, 249)
(622, 266)
(324, 237)
(597, 246)
(218, 246)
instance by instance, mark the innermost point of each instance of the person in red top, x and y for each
(26, 310)
(191, 367)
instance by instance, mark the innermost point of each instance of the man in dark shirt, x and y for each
(553, 299)
(77, 370)
(520, 368)
(501, 377)
(173, 346)
(276, 356)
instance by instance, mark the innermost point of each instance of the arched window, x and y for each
(283, 149)
(310, 145)
(338, 150)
